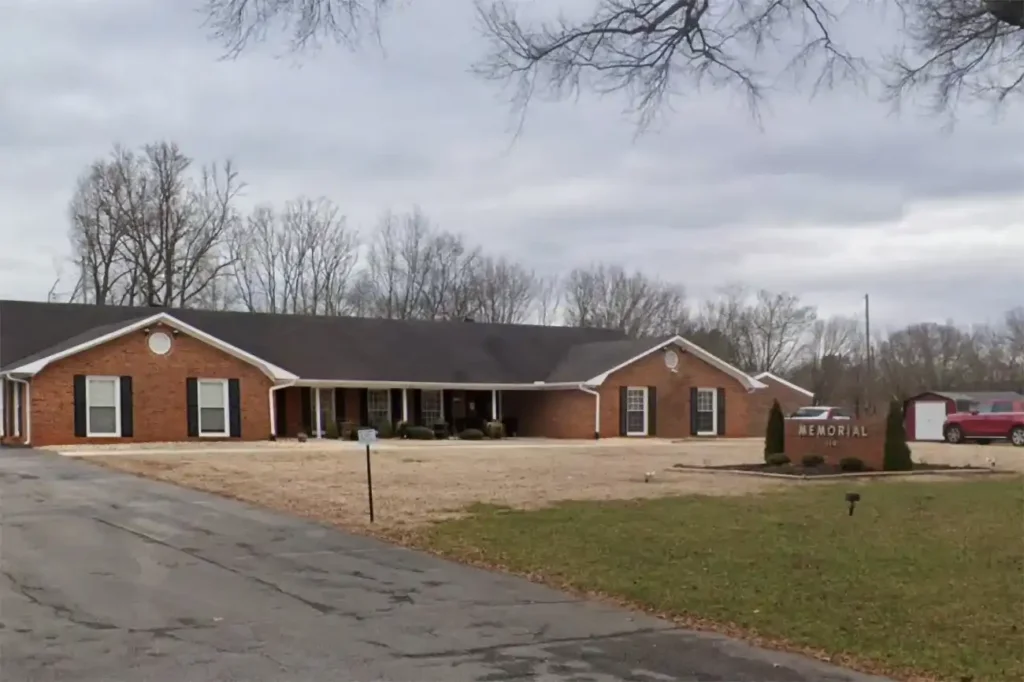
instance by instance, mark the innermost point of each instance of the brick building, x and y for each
(74, 373)
(790, 396)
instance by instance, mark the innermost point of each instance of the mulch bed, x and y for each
(820, 470)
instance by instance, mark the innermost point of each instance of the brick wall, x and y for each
(158, 385)
(570, 413)
(835, 439)
(761, 404)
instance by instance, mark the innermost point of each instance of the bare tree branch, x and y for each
(971, 49)
(239, 23)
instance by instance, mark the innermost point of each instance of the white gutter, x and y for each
(26, 409)
(597, 409)
(273, 405)
(3, 412)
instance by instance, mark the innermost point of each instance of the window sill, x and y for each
(215, 435)
(103, 435)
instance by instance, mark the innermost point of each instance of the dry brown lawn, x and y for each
(415, 484)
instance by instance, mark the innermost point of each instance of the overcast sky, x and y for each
(828, 198)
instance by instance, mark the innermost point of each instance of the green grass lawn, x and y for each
(924, 579)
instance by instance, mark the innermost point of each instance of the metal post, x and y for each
(369, 481)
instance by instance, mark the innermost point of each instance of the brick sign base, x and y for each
(835, 439)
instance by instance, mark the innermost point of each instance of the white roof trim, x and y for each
(433, 385)
(769, 375)
(273, 371)
(692, 348)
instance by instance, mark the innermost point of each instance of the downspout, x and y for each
(597, 409)
(3, 407)
(26, 408)
(273, 405)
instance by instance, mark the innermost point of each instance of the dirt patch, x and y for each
(417, 485)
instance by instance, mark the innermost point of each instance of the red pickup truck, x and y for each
(998, 420)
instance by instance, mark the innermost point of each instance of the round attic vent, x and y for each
(671, 359)
(159, 343)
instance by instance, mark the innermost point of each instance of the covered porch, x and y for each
(310, 409)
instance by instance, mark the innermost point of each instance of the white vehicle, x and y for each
(820, 413)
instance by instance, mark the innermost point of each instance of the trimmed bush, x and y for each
(775, 434)
(852, 464)
(494, 430)
(812, 460)
(331, 429)
(419, 433)
(471, 434)
(777, 459)
(384, 429)
(349, 431)
(897, 452)
(401, 430)
(301, 437)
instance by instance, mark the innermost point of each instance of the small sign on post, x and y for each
(367, 437)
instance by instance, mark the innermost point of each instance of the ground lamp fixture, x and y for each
(852, 499)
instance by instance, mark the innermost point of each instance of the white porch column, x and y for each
(319, 429)
(440, 397)
(405, 404)
(15, 404)
(494, 404)
(3, 408)
(273, 414)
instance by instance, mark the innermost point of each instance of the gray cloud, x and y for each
(707, 197)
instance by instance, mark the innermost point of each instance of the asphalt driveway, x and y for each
(108, 578)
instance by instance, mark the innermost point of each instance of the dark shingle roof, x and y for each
(329, 348)
(587, 360)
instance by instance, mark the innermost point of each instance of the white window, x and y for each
(378, 406)
(707, 412)
(103, 407)
(213, 407)
(636, 411)
(431, 411)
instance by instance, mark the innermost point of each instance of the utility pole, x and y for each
(867, 347)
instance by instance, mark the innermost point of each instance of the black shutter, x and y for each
(693, 411)
(721, 411)
(623, 426)
(364, 407)
(652, 411)
(234, 408)
(396, 405)
(339, 405)
(192, 404)
(416, 405)
(80, 407)
(127, 413)
(447, 404)
(306, 394)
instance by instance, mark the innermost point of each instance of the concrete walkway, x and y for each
(109, 578)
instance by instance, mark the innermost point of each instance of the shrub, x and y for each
(471, 434)
(402, 429)
(775, 434)
(494, 430)
(897, 452)
(812, 460)
(777, 459)
(349, 431)
(852, 464)
(419, 433)
(384, 429)
(440, 429)
(301, 437)
(331, 429)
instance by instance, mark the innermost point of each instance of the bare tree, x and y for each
(607, 296)
(397, 275)
(832, 349)
(969, 47)
(300, 260)
(505, 291)
(547, 308)
(775, 330)
(452, 290)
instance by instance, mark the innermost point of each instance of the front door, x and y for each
(326, 408)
